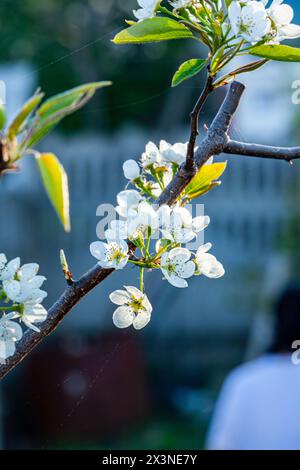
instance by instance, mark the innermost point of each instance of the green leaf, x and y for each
(153, 30)
(203, 190)
(55, 181)
(2, 116)
(68, 99)
(53, 110)
(205, 179)
(248, 67)
(277, 52)
(187, 70)
(21, 117)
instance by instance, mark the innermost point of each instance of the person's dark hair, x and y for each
(287, 323)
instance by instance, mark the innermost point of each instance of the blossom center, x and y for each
(136, 305)
(116, 255)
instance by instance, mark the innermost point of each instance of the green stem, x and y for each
(142, 270)
(10, 309)
(148, 242)
(156, 177)
(2, 295)
(142, 264)
(161, 252)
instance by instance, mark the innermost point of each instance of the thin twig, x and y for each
(190, 157)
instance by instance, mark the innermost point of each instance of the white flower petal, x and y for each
(204, 248)
(9, 271)
(98, 250)
(31, 325)
(187, 270)
(12, 289)
(34, 296)
(141, 319)
(134, 292)
(175, 280)
(35, 313)
(123, 317)
(7, 349)
(28, 271)
(179, 255)
(36, 282)
(282, 14)
(209, 266)
(200, 223)
(291, 31)
(120, 297)
(10, 330)
(131, 169)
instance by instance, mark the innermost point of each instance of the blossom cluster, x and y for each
(253, 21)
(151, 236)
(21, 297)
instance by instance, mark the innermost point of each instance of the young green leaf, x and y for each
(2, 116)
(153, 30)
(277, 52)
(68, 99)
(21, 117)
(203, 190)
(55, 181)
(53, 110)
(245, 68)
(187, 70)
(248, 67)
(205, 179)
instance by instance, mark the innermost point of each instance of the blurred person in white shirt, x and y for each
(259, 404)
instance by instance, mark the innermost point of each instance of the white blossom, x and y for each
(8, 270)
(128, 202)
(131, 170)
(208, 264)
(110, 255)
(25, 283)
(177, 4)
(147, 10)
(134, 308)
(176, 224)
(249, 21)
(117, 231)
(177, 267)
(146, 219)
(33, 312)
(167, 177)
(179, 226)
(10, 332)
(24, 289)
(173, 153)
(282, 16)
(151, 156)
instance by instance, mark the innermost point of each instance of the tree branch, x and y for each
(213, 144)
(190, 164)
(262, 151)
